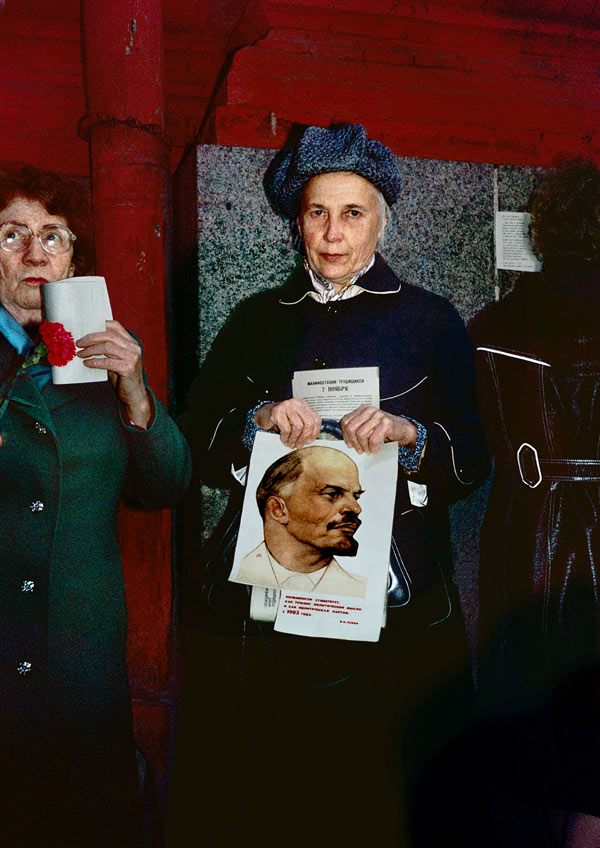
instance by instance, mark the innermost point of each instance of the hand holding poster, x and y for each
(301, 534)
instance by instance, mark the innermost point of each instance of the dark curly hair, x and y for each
(565, 214)
(58, 196)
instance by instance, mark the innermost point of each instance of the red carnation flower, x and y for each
(60, 345)
(57, 344)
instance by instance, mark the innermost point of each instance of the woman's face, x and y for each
(23, 273)
(340, 222)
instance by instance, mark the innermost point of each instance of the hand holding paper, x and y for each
(82, 306)
(120, 355)
(366, 428)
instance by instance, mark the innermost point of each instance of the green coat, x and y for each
(65, 724)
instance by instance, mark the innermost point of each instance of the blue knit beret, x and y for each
(322, 151)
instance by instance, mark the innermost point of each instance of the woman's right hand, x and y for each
(297, 423)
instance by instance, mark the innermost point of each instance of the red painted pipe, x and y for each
(123, 71)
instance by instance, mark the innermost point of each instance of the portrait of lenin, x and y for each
(308, 502)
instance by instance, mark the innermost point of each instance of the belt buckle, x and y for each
(531, 453)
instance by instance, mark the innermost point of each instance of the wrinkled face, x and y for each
(22, 273)
(322, 506)
(340, 222)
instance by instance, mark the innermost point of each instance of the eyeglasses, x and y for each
(54, 238)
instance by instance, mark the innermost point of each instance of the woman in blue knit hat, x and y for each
(319, 740)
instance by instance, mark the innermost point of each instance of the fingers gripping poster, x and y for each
(315, 532)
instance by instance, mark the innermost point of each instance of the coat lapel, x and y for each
(25, 395)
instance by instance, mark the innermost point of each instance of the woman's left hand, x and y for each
(367, 427)
(124, 365)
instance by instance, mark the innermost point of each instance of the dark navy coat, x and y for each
(348, 727)
(420, 346)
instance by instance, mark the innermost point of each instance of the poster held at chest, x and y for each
(315, 532)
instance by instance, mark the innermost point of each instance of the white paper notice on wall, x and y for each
(513, 249)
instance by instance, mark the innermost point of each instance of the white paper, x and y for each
(264, 603)
(513, 249)
(417, 492)
(81, 305)
(333, 392)
(314, 613)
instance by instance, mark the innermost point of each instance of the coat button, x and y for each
(40, 428)
(319, 362)
(24, 667)
(36, 506)
(27, 586)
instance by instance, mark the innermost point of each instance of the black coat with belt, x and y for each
(538, 369)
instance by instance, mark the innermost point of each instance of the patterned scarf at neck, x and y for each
(325, 288)
(20, 340)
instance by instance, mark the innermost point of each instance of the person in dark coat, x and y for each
(312, 740)
(538, 371)
(68, 772)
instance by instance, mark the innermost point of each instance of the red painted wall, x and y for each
(450, 80)
(41, 93)
(431, 81)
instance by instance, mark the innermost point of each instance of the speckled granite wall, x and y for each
(440, 236)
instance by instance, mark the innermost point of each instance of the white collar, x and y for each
(325, 291)
(282, 574)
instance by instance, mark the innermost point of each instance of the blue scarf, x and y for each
(18, 339)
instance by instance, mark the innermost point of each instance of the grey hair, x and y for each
(384, 215)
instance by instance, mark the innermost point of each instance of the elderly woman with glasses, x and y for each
(68, 773)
